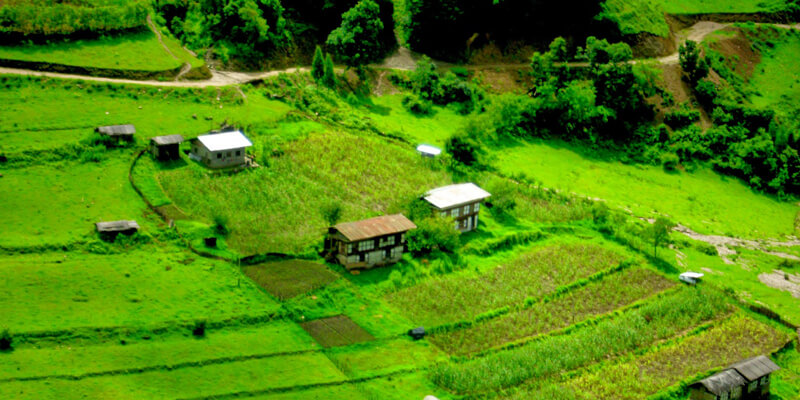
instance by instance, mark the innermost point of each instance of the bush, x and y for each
(682, 118)
(416, 105)
(221, 224)
(434, 233)
(464, 149)
(670, 161)
(5, 340)
(199, 329)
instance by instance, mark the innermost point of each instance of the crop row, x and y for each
(633, 329)
(534, 274)
(596, 298)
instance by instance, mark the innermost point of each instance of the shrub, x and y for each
(705, 248)
(332, 212)
(416, 105)
(434, 233)
(329, 75)
(464, 149)
(5, 340)
(682, 118)
(318, 65)
(670, 161)
(199, 329)
(221, 224)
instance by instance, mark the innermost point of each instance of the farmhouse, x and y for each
(120, 132)
(110, 229)
(369, 243)
(462, 202)
(166, 148)
(220, 150)
(745, 380)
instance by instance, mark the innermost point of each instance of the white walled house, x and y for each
(221, 150)
(462, 202)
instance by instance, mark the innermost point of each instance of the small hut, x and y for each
(369, 243)
(166, 148)
(119, 132)
(220, 150)
(461, 202)
(745, 380)
(109, 230)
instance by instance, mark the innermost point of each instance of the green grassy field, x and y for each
(702, 200)
(391, 117)
(775, 82)
(150, 286)
(722, 6)
(139, 51)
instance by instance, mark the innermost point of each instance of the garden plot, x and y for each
(660, 319)
(596, 298)
(535, 274)
(279, 208)
(150, 286)
(384, 357)
(336, 331)
(721, 345)
(287, 279)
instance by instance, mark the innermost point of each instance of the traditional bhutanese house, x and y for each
(745, 380)
(166, 148)
(369, 243)
(462, 202)
(120, 132)
(221, 150)
(110, 229)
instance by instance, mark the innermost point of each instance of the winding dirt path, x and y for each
(725, 244)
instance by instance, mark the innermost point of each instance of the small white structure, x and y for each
(430, 397)
(220, 150)
(691, 278)
(462, 202)
(427, 150)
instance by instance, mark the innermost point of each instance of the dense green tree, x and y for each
(356, 40)
(659, 232)
(318, 65)
(432, 234)
(329, 75)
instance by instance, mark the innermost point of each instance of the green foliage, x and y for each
(444, 89)
(329, 74)
(416, 105)
(433, 234)
(681, 118)
(46, 18)
(670, 161)
(695, 67)
(221, 224)
(636, 16)
(332, 213)
(659, 232)
(356, 42)
(199, 328)
(318, 65)
(464, 149)
(5, 340)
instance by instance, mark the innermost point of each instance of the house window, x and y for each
(366, 245)
(219, 155)
(238, 152)
(349, 248)
(229, 154)
(443, 214)
(466, 209)
(764, 380)
(736, 392)
(396, 252)
(352, 259)
(366, 257)
(724, 396)
(402, 238)
(457, 224)
(387, 241)
(752, 387)
(476, 207)
(456, 212)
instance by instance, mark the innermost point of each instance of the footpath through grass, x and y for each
(702, 200)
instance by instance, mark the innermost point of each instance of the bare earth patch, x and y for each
(778, 280)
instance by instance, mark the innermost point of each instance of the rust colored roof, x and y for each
(374, 227)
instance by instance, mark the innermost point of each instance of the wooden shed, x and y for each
(368, 243)
(745, 380)
(120, 132)
(110, 229)
(462, 202)
(221, 150)
(166, 148)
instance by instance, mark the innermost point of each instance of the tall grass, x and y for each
(661, 319)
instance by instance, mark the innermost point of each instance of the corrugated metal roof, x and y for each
(225, 141)
(756, 367)
(116, 226)
(693, 275)
(427, 149)
(722, 382)
(116, 130)
(168, 139)
(374, 227)
(454, 195)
